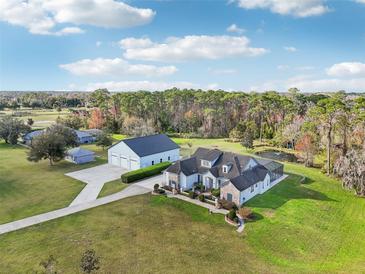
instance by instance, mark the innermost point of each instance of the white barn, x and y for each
(136, 153)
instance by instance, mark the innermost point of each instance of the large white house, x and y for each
(143, 151)
(238, 177)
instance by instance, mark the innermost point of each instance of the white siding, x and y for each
(173, 154)
(120, 151)
(122, 155)
(187, 182)
(261, 187)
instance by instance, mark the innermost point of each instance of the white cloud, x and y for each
(234, 28)
(98, 44)
(115, 67)
(42, 17)
(189, 48)
(290, 49)
(347, 69)
(139, 85)
(297, 8)
(360, 1)
(328, 84)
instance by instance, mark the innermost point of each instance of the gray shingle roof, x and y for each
(249, 177)
(187, 166)
(79, 152)
(240, 177)
(152, 144)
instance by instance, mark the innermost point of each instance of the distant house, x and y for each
(143, 151)
(239, 177)
(83, 137)
(28, 138)
(80, 156)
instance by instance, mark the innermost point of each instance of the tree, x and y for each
(72, 121)
(11, 129)
(351, 168)
(52, 144)
(325, 113)
(96, 119)
(104, 140)
(49, 265)
(247, 139)
(89, 261)
(307, 146)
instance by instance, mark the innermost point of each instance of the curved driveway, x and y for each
(138, 188)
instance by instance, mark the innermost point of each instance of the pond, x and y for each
(278, 155)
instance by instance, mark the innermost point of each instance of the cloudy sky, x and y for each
(314, 45)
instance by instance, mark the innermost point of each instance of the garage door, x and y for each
(134, 165)
(115, 160)
(124, 162)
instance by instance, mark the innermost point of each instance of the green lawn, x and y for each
(310, 227)
(42, 117)
(112, 187)
(28, 188)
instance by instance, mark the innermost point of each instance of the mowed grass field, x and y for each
(28, 188)
(309, 227)
(42, 117)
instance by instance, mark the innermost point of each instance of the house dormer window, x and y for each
(205, 163)
(225, 169)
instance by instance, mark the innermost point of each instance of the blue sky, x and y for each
(246, 45)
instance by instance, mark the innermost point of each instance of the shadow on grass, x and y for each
(8, 187)
(289, 189)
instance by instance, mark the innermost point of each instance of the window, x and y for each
(153, 162)
(252, 188)
(160, 160)
(168, 158)
(205, 163)
(256, 185)
(229, 197)
(224, 169)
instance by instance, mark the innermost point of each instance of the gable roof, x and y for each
(82, 134)
(79, 152)
(31, 135)
(270, 164)
(151, 144)
(249, 177)
(187, 166)
(238, 174)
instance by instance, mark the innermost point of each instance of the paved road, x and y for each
(94, 178)
(138, 188)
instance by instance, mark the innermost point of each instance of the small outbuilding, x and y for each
(79, 155)
(136, 153)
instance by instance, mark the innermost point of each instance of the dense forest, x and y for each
(327, 123)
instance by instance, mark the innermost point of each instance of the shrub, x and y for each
(139, 174)
(156, 187)
(216, 192)
(201, 198)
(245, 212)
(169, 188)
(192, 194)
(227, 204)
(232, 215)
(161, 191)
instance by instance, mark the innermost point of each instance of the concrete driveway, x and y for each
(99, 174)
(149, 182)
(95, 178)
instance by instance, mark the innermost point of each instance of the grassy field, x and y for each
(28, 188)
(112, 187)
(42, 117)
(310, 227)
